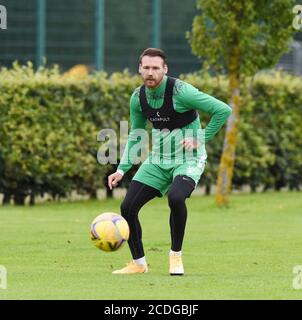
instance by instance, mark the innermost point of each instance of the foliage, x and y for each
(49, 127)
(270, 137)
(239, 38)
(261, 29)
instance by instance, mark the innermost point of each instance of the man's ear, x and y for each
(139, 68)
(166, 69)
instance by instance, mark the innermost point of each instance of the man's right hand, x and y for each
(114, 179)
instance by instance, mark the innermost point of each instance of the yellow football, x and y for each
(108, 231)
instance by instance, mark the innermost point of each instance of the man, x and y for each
(169, 104)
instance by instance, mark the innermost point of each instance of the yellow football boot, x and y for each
(176, 266)
(131, 268)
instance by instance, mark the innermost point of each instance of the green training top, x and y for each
(185, 98)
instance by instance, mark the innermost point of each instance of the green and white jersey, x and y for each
(185, 98)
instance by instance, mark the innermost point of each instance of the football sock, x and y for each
(141, 261)
(177, 253)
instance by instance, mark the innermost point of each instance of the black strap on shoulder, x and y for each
(168, 93)
(143, 97)
(169, 90)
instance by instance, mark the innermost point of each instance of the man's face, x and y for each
(152, 70)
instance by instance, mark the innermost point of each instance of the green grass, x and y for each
(247, 251)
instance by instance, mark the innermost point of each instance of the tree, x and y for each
(239, 37)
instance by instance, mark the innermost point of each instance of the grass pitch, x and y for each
(247, 251)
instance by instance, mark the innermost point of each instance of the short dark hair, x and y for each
(153, 52)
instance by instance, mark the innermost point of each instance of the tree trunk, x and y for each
(32, 199)
(109, 193)
(227, 160)
(19, 199)
(93, 194)
(208, 189)
(253, 187)
(6, 198)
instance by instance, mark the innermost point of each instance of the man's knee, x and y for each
(175, 199)
(128, 209)
(181, 189)
(125, 208)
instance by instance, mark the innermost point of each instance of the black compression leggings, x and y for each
(139, 194)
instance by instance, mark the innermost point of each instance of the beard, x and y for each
(151, 82)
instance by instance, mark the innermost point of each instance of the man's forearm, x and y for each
(125, 165)
(131, 152)
(217, 121)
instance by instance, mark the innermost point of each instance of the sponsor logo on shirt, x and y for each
(159, 118)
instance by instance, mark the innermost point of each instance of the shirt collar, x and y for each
(158, 90)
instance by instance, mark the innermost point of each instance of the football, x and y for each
(108, 231)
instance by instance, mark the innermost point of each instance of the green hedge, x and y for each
(49, 126)
(270, 138)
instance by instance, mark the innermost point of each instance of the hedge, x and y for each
(270, 138)
(50, 122)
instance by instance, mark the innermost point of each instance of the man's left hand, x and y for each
(189, 143)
